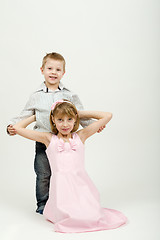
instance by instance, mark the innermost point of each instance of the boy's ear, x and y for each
(41, 70)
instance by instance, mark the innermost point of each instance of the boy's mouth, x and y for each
(52, 77)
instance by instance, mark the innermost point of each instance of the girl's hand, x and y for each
(34, 118)
(101, 129)
(11, 130)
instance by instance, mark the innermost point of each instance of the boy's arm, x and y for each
(102, 117)
(26, 112)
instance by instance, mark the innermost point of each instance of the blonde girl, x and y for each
(74, 203)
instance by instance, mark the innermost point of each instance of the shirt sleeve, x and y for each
(83, 122)
(28, 111)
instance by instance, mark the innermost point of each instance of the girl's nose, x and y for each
(65, 123)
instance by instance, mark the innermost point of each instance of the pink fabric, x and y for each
(59, 101)
(74, 202)
(55, 103)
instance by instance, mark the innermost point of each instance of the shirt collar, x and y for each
(44, 88)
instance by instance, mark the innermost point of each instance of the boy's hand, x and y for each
(101, 129)
(11, 130)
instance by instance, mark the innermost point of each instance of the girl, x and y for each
(73, 204)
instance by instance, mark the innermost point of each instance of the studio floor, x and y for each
(21, 222)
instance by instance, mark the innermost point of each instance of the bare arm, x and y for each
(102, 117)
(21, 130)
(83, 122)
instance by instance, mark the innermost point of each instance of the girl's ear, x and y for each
(75, 119)
(53, 122)
(53, 119)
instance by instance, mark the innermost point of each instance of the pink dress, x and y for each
(74, 203)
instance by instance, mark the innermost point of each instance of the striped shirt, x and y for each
(40, 103)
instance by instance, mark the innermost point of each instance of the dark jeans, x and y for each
(43, 172)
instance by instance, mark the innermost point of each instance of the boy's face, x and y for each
(53, 72)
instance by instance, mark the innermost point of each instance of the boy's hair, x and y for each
(55, 56)
(61, 109)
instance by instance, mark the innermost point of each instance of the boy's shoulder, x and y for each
(37, 91)
(67, 90)
(40, 88)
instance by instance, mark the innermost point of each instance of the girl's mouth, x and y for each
(65, 129)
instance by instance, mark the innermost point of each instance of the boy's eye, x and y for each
(58, 69)
(49, 68)
(70, 119)
(59, 119)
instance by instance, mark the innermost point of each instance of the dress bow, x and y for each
(61, 145)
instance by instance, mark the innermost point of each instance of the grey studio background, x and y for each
(112, 62)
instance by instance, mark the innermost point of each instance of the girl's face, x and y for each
(64, 124)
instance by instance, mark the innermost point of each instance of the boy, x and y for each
(39, 103)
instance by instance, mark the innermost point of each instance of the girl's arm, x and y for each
(102, 117)
(21, 130)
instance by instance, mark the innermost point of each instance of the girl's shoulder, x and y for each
(80, 135)
(79, 132)
(50, 136)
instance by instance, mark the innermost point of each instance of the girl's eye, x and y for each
(49, 68)
(58, 69)
(70, 119)
(59, 119)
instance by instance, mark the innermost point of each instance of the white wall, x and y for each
(112, 54)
